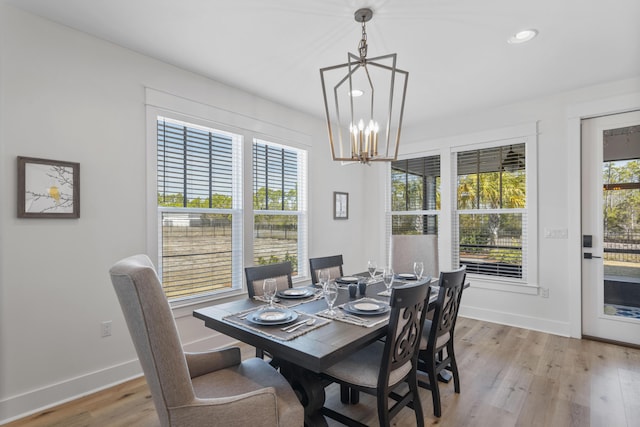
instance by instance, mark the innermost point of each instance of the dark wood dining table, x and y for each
(302, 359)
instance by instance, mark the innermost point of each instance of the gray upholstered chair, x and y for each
(406, 249)
(196, 389)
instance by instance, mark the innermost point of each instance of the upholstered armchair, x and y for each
(196, 389)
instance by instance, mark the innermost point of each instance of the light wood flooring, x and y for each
(509, 377)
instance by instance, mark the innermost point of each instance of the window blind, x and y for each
(490, 222)
(199, 173)
(279, 202)
(195, 167)
(275, 177)
(415, 195)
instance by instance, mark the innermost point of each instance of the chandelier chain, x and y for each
(362, 47)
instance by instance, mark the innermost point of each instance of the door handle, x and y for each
(588, 255)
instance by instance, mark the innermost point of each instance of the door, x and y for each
(611, 227)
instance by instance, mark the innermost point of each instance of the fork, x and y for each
(294, 325)
(353, 318)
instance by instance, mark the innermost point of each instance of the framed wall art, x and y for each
(48, 188)
(340, 205)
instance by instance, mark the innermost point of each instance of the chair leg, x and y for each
(454, 370)
(344, 393)
(383, 409)
(259, 353)
(435, 389)
(415, 396)
(355, 396)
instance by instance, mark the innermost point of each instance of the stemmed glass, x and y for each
(372, 267)
(323, 277)
(330, 291)
(269, 288)
(418, 269)
(387, 277)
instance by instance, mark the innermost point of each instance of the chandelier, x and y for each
(364, 103)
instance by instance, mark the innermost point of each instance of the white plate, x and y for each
(295, 292)
(366, 306)
(272, 315)
(407, 276)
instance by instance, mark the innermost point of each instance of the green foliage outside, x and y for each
(275, 200)
(218, 201)
(492, 190)
(273, 259)
(621, 206)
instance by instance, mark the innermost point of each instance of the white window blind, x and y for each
(279, 203)
(415, 195)
(200, 209)
(490, 218)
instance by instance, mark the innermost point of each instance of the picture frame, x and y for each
(48, 188)
(340, 205)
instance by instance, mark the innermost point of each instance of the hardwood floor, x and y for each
(509, 377)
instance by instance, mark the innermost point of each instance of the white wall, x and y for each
(556, 203)
(69, 96)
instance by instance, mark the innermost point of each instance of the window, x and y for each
(200, 209)
(415, 195)
(279, 203)
(490, 217)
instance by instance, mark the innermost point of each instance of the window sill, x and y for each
(498, 284)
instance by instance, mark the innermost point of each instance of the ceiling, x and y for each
(455, 50)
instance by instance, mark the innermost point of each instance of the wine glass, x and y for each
(418, 269)
(330, 291)
(387, 277)
(269, 288)
(372, 267)
(323, 277)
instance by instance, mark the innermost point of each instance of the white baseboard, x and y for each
(517, 320)
(41, 399)
(37, 400)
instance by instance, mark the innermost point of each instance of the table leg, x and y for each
(309, 387)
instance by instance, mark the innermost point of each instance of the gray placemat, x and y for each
(275, 331)
(366, 321)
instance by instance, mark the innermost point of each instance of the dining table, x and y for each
(319, 342)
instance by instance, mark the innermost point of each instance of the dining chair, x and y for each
(196, 389)
(256, 276)
(332, 263)
(406, 249)
(383, 368)
(437, 336)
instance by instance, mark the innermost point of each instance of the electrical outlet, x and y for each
(105, 329)
(544, 292)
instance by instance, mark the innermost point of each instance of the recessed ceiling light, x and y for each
(522, 36)
(356, 93)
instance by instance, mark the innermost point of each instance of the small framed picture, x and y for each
(340, 205)
(48, 188)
